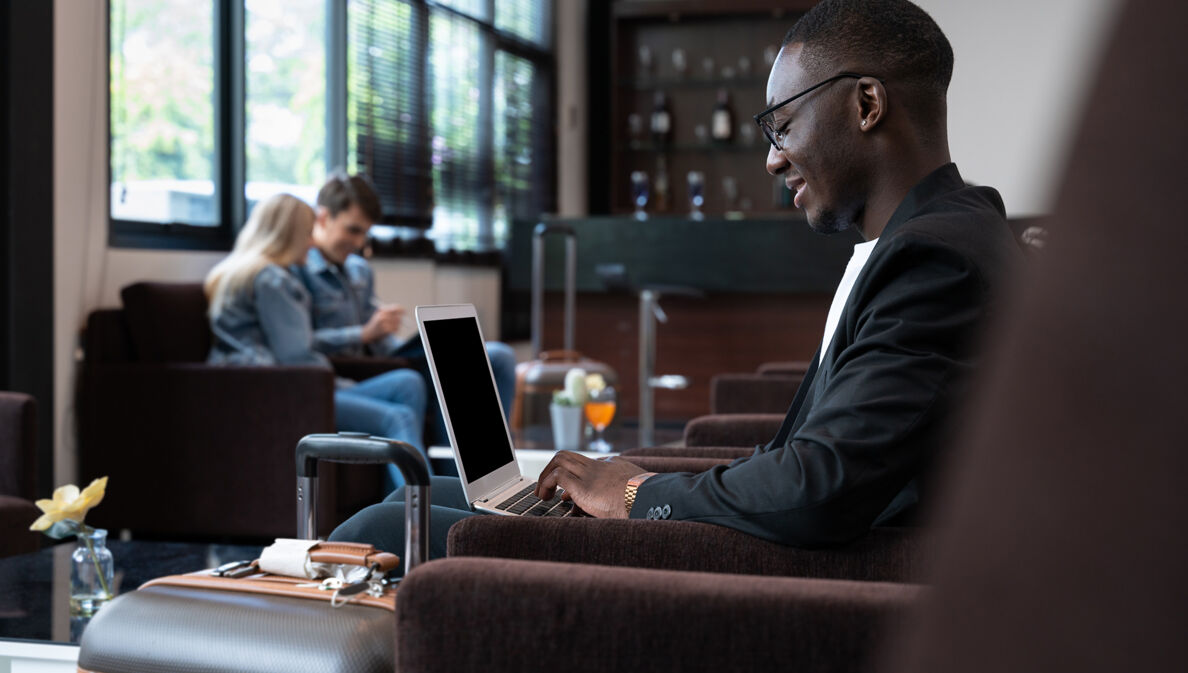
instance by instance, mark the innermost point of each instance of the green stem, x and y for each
(91, 552)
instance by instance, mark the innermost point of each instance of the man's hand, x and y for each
(386, 320)
(596, 486)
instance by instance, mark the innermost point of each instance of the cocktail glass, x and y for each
(600, 410)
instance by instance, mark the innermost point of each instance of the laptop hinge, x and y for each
(503, 487)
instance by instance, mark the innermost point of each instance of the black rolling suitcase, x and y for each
(244, 620)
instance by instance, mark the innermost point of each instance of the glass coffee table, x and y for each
(36, 630)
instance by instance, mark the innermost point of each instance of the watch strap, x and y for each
(632, 488)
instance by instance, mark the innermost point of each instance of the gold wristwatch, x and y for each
(633, 486)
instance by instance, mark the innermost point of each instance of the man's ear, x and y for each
(321, 217)
(872, 103)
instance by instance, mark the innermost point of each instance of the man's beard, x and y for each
(831, 222)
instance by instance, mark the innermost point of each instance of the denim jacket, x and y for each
(343, 301)
(267, 324)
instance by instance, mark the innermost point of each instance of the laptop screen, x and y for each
(460, 359)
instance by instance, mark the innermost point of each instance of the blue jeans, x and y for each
(503, 367)
(390, 405)
(383, 525)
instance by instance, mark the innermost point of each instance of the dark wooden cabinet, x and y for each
(692, 52)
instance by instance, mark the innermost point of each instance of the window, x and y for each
(285, 116)
(445, 104)
(450, 113)
(163, 146)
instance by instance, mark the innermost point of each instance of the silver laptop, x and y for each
(469, 401)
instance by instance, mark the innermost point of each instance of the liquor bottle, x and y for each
(661, 184)
(722, 124)
(661, 120)
(696, 194)
(639, 194)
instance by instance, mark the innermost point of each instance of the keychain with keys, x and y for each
(373, 587)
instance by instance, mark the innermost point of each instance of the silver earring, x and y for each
(864, 122)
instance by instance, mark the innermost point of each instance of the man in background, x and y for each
(348, 319)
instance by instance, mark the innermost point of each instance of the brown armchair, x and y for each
(467, 614)
(193, 450)
(767, 391)
(884, 555)
(709, 440)
(18, 474)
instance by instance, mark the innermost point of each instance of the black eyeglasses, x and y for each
(766, 120)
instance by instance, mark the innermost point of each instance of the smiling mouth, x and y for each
(797, 185)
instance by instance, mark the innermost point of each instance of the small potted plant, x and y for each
(566, 411)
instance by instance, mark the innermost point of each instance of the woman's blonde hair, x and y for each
(276, 233)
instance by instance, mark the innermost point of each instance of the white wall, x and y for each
(88, 274)
(1021, 74)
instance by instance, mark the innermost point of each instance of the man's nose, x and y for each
(776, 161)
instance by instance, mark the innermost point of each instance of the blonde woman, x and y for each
(260, 315)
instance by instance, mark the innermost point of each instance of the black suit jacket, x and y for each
(869, 420)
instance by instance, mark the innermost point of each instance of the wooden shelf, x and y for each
(726, 33)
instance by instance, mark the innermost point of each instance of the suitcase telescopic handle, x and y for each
(538, 235)
(361, 448)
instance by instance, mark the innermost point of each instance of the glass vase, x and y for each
(91, 574)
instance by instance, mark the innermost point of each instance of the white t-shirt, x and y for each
(853, 269)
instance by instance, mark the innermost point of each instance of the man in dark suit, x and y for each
(857, 129)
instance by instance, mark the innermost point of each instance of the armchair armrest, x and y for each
(884, 554)
(361, 368)
(468, 615)
(676, 463)
(752, 393)
(793, 368)
(732, 429)
(716, 453)
(16, 514)
(199, 449)
(18, 445)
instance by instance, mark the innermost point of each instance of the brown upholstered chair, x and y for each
(709, 440)
(198, 451)
(467, 614)
(18, 474)
(769, 390)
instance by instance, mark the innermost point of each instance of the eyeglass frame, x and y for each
(770, 134)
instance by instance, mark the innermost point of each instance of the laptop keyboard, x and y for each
(525, 503)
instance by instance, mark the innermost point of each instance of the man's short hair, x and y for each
(342, 191)
(891, 39)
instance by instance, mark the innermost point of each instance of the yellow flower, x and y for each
(595, 382)
(69, 504)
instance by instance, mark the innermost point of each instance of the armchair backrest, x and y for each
(167, 322)
(18, 445)
(1060, 544)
